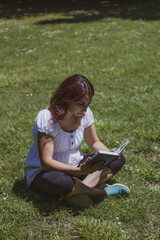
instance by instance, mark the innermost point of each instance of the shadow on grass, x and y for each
(80, 11)
(45, 205)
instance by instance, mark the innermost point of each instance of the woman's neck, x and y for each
(70, 122)
(69, 117)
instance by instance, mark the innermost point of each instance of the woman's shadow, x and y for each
(45, 205)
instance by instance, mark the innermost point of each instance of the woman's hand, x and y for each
(113, 150)
(87, 168)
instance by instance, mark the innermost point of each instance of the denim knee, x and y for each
(117, 165)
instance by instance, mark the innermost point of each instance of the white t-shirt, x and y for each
(65, 143)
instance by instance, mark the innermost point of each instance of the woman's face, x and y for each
(78, 108)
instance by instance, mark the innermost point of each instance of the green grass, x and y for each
(117, 48)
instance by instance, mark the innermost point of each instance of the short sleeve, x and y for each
(88, 118)
(44, 123)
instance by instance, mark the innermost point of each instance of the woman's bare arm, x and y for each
(92, 139)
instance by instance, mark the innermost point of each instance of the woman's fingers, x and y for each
(88, 159)
(113, 150)
(90, 168)
(99, 165)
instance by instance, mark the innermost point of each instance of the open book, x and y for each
(106, 156)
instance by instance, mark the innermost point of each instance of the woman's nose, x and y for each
(85, 108)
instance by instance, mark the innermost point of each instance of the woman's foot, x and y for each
(80, 201)
(115, 189)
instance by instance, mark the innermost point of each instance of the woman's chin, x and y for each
(80, 115)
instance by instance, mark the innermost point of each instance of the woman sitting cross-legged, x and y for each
(55, 165)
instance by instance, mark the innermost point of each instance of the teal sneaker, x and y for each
(115, 189)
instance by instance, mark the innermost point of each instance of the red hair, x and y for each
(70, 90)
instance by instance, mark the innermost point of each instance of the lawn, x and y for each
(116, 45)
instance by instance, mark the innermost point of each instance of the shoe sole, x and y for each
(121, 185)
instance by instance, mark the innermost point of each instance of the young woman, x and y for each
(55, 165)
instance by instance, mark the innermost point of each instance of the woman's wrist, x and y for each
(79, 171)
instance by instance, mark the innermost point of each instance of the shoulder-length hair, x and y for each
(70, 90)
